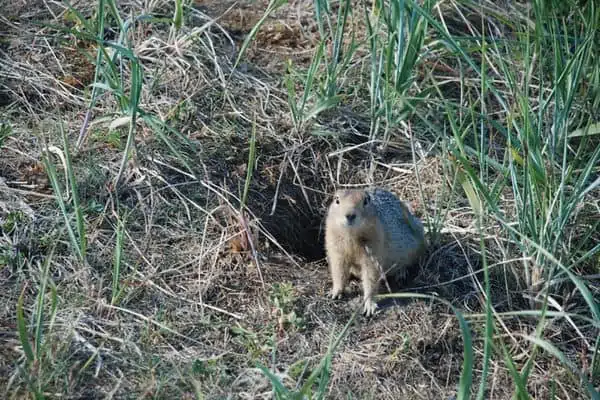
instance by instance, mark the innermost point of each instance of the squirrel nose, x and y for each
(350, 218)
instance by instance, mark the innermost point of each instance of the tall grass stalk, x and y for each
(79, 240)
(119, 67)
(396, 40)
(136, 88)
(548, 174)
(79, 218)
(242, 213)
(117, 261)
(321, 82)
(35, 357)
(335, 65)
(178, 15)
(489, 323)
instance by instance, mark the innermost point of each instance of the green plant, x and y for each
(257, 344)
(79, 240)
(117, 260)
(112, 137)
(321, 82)
(395, 42)
(282, 298)
(319, 376)
(5, 132)
(12, 220)
(35, 350)
(115, 76)
(547, 172)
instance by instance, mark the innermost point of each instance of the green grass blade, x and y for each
(250, 167)
(97, 70)
(22, 328)
(322, 105)
(39, 312)
(136, 88)
(115, 12)
(310, 76)
(291, 95)
(81, 233)
(325, 360)
(117, 259)
(5, 132)
(280, 391)
(520, 386)
(157, 127)
(489, 323)
(52, 176)
(554, 351)
(178, 15)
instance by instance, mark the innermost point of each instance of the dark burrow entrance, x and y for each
(292, 216)
(296, 220)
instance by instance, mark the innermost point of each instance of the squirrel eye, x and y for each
(337, 200)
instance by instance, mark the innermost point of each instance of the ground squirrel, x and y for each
(368, 232)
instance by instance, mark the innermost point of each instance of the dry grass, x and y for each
(197, 307)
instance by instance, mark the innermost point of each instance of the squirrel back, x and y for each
(376, 218)
(404, 232)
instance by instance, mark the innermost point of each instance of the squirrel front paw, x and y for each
(336, 293)
(369, 307)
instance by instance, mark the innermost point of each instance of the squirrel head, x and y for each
(352, 209)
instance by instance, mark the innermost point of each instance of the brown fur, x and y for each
(367, 235)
